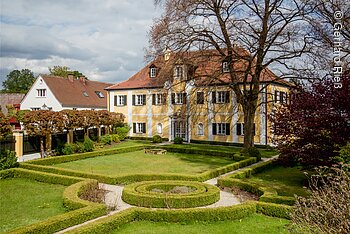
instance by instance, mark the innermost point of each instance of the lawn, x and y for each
(139, 162)
(234, 149)
(255, 224)
(287, 181)
(24, 202)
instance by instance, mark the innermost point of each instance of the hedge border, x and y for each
(265, 194)
(109, 224)
(130, 178)
(81, 210)
(226, 143)
(137, 194)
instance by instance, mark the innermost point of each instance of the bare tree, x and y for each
(248, 34)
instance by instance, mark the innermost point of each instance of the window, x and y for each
(240, 129)
(139, 127)
(153, 72)
(41, 92)
(159, 128)
(139, 100)
(178, 98)
(35, 108)
(158, 99)
(99, 94)
(280, 97)
(85, 94)
(200, 129)
(221, 129)
(179, 71)
(200, 98)
(74, 108)
(120, 100)
(221, 97)
(225, 67)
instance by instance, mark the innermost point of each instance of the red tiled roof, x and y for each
(69, 92)
(207, 66)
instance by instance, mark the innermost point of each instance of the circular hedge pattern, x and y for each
(144, 194)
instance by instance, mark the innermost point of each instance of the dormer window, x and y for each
(153, 72)
(85, 94)
(225, 67)
(99, 94)
(178, 71)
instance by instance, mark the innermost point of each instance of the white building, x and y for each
(58, 93)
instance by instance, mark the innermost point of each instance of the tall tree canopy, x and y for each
(18, 81)
(270, 30)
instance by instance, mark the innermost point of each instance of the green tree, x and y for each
(64, 71)
(18, 81)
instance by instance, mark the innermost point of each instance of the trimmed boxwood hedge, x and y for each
(266, 194)
(139, 194)
(82, 210)
(227, 143)
(113, 222)
(130, 178)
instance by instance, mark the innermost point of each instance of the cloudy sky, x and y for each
(103, 39)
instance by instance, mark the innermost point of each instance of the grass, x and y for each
(24, 201)
(287, 181)
(139, 162)
(127, 143)
(234, 149)
(255, 224)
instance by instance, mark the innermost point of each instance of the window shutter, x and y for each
(134, 127)
(228, 129)
(173, 98)
(214, 128)
(227, 97)
(276, 95)
(239, 129)
(144, 99)
(164, 99)
(153, 99)
(213, 99)
(116, 100)
(125, 100)
(144, 127)
(133, 100)
(184, 98)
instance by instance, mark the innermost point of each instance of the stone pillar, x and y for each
(19, 143)
(70, 136)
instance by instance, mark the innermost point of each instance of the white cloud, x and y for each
(102, 39)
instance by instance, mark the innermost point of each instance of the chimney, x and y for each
(70, 77)
(83, 79)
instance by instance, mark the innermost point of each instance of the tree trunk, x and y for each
(42, 147)
(70, 136)
(249, 114)
(48, 142)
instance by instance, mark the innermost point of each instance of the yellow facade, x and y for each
(194, 121)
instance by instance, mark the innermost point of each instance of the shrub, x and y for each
(327, 209)
(251, 152)
(88, 144)
(157, 139)
(122, 132)
(115, 138)
(8, 159)
(344, 154)
(178, 140)
(106, 139)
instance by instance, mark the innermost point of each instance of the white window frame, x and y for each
(179, 71)
(159, 98)
(221, 97)
(41, 92)
(200, 129)
(225, 67)
(121, 100)
(221, 129)
(139, 128)
(179, 98)
(159, 128)
(139, 100)
(153, 72)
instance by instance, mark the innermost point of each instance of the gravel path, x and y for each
(114, 202)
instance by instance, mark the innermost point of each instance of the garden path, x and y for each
(113, 197)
